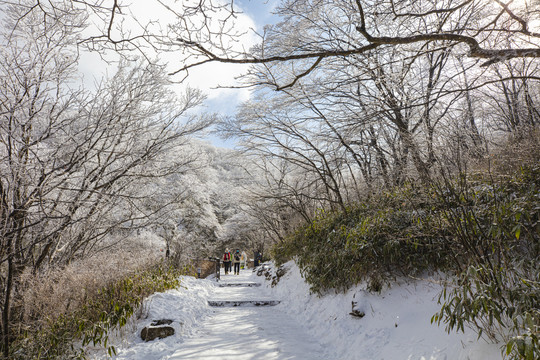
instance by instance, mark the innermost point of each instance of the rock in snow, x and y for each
(159, 330)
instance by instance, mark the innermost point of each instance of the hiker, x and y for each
(243, 260)
(257, 258)
(227, 261)
(236, 262)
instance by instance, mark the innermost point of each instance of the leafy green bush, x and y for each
(483, 231)
(497, 238)
(393, 234)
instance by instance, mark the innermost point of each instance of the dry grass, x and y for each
(45, 297)
(512, 153)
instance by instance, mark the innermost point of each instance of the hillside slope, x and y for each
(397, 322)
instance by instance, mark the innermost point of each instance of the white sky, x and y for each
(212, 79)
(256, 14)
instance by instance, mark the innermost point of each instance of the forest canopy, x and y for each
(349, 101)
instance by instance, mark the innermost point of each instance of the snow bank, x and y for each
(397, 322)
(396, 325)
(186, 306)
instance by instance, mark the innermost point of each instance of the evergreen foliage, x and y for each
(482, 230)
(388, 235)
(496, 229)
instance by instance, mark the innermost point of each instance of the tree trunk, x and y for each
(7, 303)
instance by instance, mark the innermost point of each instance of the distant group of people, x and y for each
(236, 259)
(232, 259)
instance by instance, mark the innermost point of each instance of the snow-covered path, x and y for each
(247, 332)
(396, 325)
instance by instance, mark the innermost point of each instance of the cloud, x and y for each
(214, 79)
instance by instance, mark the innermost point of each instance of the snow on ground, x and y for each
(396, 325)
(187, 306)
(203, 332)
(397, 322)
(248, 332)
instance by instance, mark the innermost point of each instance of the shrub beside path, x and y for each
(240, 329)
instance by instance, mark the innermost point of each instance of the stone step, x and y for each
(233, 303)
(239, 284)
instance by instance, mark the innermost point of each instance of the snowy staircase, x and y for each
(234, 303)
(239, 284)
(238, 293)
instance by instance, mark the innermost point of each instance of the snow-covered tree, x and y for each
(74, 162)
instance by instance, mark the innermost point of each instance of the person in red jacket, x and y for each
(227, 261)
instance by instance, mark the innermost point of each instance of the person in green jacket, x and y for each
(236, 261)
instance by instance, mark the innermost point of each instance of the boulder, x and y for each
(157, 329)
